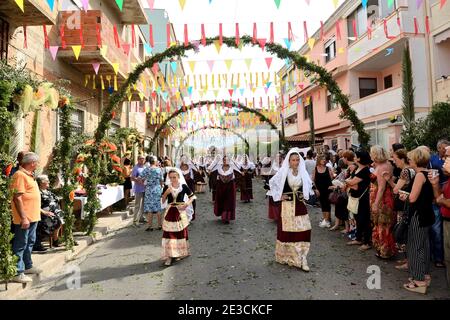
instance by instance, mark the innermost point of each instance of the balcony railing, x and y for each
(290, 129)
(442, 90)
(381, 102)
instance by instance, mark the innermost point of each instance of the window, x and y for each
(77, 121)
(367, 86)
(362, 17)
(4, 36)
(331, 104)
(388, 82)
(330, 50)
(285, 86)
(306, 110)
(385, 10)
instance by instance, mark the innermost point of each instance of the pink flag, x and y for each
(151, 3)
(53, 51)
(210, 65)
(85, 4)
(96, 67)
(268, 62)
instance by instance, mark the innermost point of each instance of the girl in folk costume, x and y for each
(178, 199)
(274, 206)
(225, 202)
(188, 168)
(213, 176)
(292, 185)
(248, 169)
(200, 175)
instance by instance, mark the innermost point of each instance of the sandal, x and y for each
(334, 228)
(354, 242)
(427, 279)
(364, 247)
(168, 262)
(414, 287)
(402, 266)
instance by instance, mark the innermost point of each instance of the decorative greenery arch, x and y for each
(190, 134)
(324, 79)
(175, 114)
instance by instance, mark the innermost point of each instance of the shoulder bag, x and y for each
(353, 203)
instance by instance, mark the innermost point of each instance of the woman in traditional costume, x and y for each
(178, 199)
(292, 185)
(248, 169)
(274, 206)
(188, 168)
(225, 202)
(200, 175)
(213, 176)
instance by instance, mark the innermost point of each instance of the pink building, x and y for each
(365, 61)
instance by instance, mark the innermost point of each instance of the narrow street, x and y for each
(235, 261)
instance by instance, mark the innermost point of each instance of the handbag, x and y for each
(353, 203)
(334, 197)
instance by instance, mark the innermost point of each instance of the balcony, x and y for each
(382, 102)
(440, 18)
(290, 129)
(91, 53)
(442, 90)
(36, 12)
(290, 110)
(132, 12)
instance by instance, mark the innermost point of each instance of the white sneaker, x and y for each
(22, 278)
(324, 224)
(327, 224)
(33, 270)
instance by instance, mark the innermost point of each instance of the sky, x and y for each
(244, 12)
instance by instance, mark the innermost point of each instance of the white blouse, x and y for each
(295, 182)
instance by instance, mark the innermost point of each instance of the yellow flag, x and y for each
(311, 43)
(217, 45)
(228, 63)
(116, 67)
(335, 2)
(195, 82)
(115, 83)
(20, 4)
(192, 65)
(201, 82)
(76, 51)
(182, 3)
(94, 84)
(141, 96)
(102, 83)
(87, 78)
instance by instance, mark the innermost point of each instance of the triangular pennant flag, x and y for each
(141, 96)
(126, 48)
(419, 3)
(103, 50)
(262, 42)
(120, 4)
(364, 3)
(268, 84)
(311, 43)
(76, 51)
(174, 66)
(54, 51)
(210, 65)
(96, 67)
(248, 62)
(335, 2)
(85, 4)
(182, 3)
(116, 67)
(216, 93)
(148, 48)
(51, 4)
(442, 3)
(242, 90)
(20, 4)
(268, 62)
(265, 90)
(155, 68)
(217, 45)
(190, 90)
(151, 3)
(288, 43)
(165, 95)
(277, 3)
(192, 65)
(230, 91)
(228, 63)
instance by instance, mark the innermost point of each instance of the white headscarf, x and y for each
(250, 165)
(277, 182)
(218, 163)
(182, 181)
(186, 160)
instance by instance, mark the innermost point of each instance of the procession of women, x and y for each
(370, 203)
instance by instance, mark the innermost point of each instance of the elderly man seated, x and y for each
(51, 215)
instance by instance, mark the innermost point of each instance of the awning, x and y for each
(442, 36)
(302, 138)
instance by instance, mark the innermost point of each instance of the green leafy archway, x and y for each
(175, 114)
(324, 79)
(190, 134)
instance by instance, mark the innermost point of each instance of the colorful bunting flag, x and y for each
(20, 4)
(96, 67)
(120, 4)
(277, 3)
(268, 62)
(54, 51)
(51, 4)
(182, 3)
(76, 51)
(116, 67)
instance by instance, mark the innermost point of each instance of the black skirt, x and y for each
(127, 185)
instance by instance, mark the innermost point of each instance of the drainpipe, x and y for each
(428, 38)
